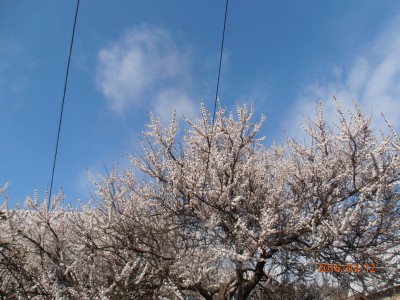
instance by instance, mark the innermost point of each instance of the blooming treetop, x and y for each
(216, 214)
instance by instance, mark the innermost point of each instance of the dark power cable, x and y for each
(220, 61)
(62, 104)
(215, 103)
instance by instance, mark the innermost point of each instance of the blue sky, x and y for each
(134, 57)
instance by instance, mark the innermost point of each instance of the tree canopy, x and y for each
(218, 215)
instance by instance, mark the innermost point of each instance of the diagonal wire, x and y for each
(215, 105)
(220, 61)
(62, 104)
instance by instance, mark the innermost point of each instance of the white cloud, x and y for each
(174, 99)
(141, 67)
(373, 79)
(83, 185)
(15, 64)
(256, 92)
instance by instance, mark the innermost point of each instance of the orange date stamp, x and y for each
(349, 268)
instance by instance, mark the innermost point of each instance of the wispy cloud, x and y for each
(174, 99)
(373, 79)
(13, 81)
(145, 66)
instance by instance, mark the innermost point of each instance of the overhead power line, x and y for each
(62, 104)
(220, 60)
(216, 95)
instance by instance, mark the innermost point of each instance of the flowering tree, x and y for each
(216, 215)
